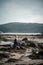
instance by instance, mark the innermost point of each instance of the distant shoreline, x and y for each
(21, 33)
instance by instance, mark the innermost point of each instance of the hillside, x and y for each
(22, 27)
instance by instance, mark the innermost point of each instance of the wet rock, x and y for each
(40, 45)
(11, 60)
(31, 44)
(40, 64)
(2, 55)
(24, 39)
(38, 55)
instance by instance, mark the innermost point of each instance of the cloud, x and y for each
(37, 19)
(28, 11)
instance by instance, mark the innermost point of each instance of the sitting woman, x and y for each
(16, 44)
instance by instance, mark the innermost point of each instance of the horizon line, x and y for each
(22, 22)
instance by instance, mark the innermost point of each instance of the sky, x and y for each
(24, 11)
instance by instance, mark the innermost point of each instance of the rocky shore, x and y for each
(26, 52)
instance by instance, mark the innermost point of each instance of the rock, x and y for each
(15, 55)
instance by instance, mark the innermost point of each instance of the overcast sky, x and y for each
(28, 11)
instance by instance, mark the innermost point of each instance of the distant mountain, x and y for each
(22, 28)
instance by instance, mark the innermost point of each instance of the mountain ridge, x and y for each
(22, 27)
